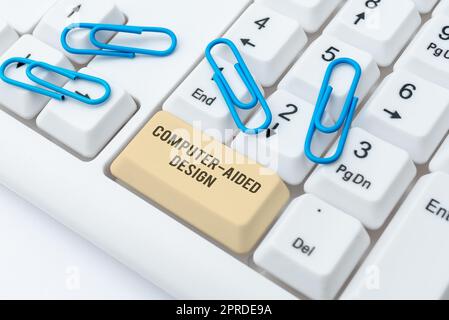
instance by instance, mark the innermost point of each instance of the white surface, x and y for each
(384, 30)
(281, 149)
(306, 76)
(41, 259)
(22, 102)
(441, 160)
(7, 36)
(311, 14)
(78, 194)
(442, 8)
(410, 260)
(320, 243)
(367, 181)
(64, 13)
(425, 6)
(427, 62)
(423, 109)
(23, 15)
(269, 46)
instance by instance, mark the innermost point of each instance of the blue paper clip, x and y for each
(52, 90)
(344, 121)
(231, 100)
(105, 49)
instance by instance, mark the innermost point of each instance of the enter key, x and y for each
(205, 183)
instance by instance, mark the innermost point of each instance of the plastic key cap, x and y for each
(85, 128)
(410, 260)
(409, 112)
(268, 40)
(199, 102)
(24, 103)
(306, 77)
(313, 247)
(311, 14)
(281, 146)
(425, 6)
(381, 28)
(218, 191)
(7, 36)
(427, 55)
(24, 15)
(442, 8)
(441, 160)
(367, 181)
(67, 12)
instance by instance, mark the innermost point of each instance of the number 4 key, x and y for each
(268, 41)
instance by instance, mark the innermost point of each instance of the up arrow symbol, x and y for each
(75, 10)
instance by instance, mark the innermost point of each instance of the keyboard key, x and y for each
(7, 36)
(306, 77)
(268, 41)
(198, 101)
(381, 28)
(313, 247)
(84, 128)
(442, 8)
(67, 12)
(23, 15)
(410, 260)
(311, 14)
(219, 192)
(425, 6)
(428, 54)
(441, 160)
(24, 103)
(368, 180)
(409, 112)
(281, 148)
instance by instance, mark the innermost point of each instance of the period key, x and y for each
(225, 195)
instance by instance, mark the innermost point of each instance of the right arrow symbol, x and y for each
(393, 115)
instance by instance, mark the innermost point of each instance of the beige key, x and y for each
(222, 193)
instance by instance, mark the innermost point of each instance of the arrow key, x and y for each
(268, 40)
(409, 112)
(87, 129)
(381, 28)
(281, 148)
(68, 11)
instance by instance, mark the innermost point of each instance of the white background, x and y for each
(41, 259)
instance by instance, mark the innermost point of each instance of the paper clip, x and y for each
(344, 121)
(105, 49)
(49, 89)
(231, 100)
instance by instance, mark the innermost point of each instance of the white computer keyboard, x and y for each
(375, 224)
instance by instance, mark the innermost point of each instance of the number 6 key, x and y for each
(367, 181)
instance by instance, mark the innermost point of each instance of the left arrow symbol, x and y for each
(84, 95)
(247, 42)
